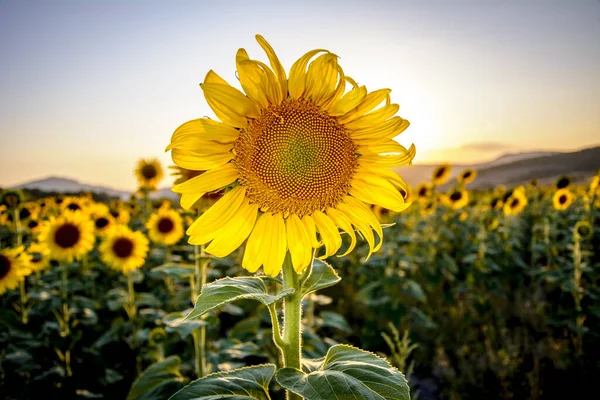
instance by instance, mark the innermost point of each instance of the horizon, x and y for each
(88, 88)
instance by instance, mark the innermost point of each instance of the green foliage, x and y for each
(158, 381)
(227, 290)
(347, 372)
(239, 384)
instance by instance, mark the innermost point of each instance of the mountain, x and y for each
(65, 185)
(418, 173)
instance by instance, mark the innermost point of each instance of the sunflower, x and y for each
(562, 199)
(457, 199)
(165, 226)
(72, 203)
(149, 173)
(34, 226)
(496, 203)
(14, 267)
(515, 203)
(69, 236)
(103, 222)
(124, 250)
(11, 198)
(441, 174)
(583, 229)
(467, 176)
(563, 182)
(40, 256)
(299, 156)
(424, 191)
(594, 183)
(120, 214)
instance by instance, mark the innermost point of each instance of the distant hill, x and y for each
(419, 173)
(546, 169)
(65, 185)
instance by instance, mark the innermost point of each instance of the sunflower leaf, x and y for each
(347, 373)
(158, 381)
(174, 270)
(239, 384)
(322, 276)
(227, 290)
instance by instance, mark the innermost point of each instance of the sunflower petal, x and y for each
(275, 244)
(205, 227)
(299, 243)
(203, 129)
(297, 80)
(380, 115)
(349, 101)
(233, 233)
(329, 233)
(370, 101)
(275, 64)
(252, 259)
(340, 220)
(209, 180)
(374, 189)
(198, 161)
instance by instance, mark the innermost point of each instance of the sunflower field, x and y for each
(298, 264)
(496, 293)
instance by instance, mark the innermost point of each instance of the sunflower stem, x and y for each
(24, 317)
(199, 335)
(292, 317)
(131, 307)
(18, 233)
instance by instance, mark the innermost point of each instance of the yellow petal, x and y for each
(389, 161)
(340, 220)
(329, 233)
(231, 98)
(349, 101)
(297, 81)
(374, 189)
(205, 227)
(370, 101)
(310, 227)
(189, 199)
(201, 130)
(387, 147)
(198, 161)
(249, 74)
(274, 244)
(363, 227)
(299, 243)
(233, 233)
(253, 256)
(380, 132)
(322, 78)
(209, 180)
(374, 117)
(360, 214)
(275, 64)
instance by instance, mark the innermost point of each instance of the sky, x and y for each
(88, 87)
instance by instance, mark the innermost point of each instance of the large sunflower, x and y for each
(562, 199)
(69, 236)
(165, 226)
(149, 173)
(14, 267)
(124, 250)
(301, 155)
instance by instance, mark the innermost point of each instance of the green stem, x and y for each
(292, 317)
(199, 335)
(131, 307)
(24, 317)
(18, 232)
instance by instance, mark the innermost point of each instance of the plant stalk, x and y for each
(292, 317)
(199, 335)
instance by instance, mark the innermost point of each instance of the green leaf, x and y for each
(240, 384)
(334, 320)
(158, 381)
(176, 322)
(322, 276)
(347, 373)
(414, 290)
(175, 270)
(226, 290)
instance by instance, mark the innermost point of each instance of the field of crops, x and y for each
(473, 295)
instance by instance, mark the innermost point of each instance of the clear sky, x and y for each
(88, 87)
